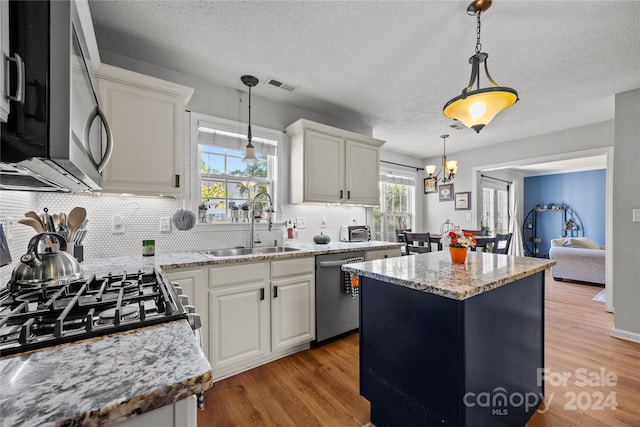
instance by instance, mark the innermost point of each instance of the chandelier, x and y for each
(448, 167)
(249, 151)
(476, 108)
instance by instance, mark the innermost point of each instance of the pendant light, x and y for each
(476, 108)
(448, 168)
(249, 150)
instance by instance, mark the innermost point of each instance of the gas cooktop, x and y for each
(47, 314)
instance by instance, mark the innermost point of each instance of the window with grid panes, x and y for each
(226, 183)
(396, 209)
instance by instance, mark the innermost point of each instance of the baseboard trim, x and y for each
(625, 335)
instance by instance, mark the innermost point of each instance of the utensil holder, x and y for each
(78, 252)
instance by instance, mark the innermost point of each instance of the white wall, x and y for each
(569, 143)
(626, 197)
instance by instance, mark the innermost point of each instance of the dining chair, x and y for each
(501, 243)
(416, 242)
(400, 234)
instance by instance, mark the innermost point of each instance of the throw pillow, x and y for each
(581, 242)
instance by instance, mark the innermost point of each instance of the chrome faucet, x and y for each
(253, 216)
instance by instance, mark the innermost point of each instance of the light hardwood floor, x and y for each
(319, 387)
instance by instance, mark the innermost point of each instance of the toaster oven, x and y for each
(355, 233)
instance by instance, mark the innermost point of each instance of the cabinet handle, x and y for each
(341, 193)
(261, 294)
(177, 181)
(19, 97)
(348, 194)
(275, 292)
(109, 148)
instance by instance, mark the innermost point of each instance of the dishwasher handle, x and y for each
(340, 262)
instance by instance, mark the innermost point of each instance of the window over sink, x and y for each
(397, 208)
(223, 185)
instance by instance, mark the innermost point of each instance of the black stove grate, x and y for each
(37, 317)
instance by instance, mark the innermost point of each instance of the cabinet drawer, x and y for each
(239, 273)
(292, 267)
(382, 253)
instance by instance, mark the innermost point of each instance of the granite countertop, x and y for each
(193, 259)
(107, 379)
(103, 380)
(434, 273)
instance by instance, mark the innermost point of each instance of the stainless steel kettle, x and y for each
(37, 268)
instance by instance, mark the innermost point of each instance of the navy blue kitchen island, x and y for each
(445, 344)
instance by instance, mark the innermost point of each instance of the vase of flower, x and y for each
(458, 255)
(458, 242)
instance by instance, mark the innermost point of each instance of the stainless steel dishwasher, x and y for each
(337, 308)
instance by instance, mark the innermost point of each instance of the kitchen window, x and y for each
(396, 209)
(224, 186)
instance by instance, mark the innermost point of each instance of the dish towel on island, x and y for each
(351, 283)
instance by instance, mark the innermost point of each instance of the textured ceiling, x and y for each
(393, 64)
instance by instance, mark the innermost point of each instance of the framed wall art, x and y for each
(430, 185)
(463, 201)
(445, 191)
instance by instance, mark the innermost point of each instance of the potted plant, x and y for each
(484, 227)
(202, 212)
(458, 242)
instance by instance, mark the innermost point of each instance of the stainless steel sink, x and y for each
(228, 252)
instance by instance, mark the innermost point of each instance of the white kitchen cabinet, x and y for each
(4, 53)
(194, 285)
(259, 312)
(147, 121)
(292, 302)
(331, 165)
(240, 322)
(382, 254)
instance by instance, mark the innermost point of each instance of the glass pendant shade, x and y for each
(452, 167)
(430, 169)
(249, 154)
(477, 108)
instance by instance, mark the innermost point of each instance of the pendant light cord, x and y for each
(249, 128)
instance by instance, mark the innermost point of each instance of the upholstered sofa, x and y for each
(577, 258)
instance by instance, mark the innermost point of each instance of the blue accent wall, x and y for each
(582, 192)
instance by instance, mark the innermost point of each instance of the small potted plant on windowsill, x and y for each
(245, 211)
(484, 227)
(202, 212)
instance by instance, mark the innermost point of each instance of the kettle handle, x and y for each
(32, 247)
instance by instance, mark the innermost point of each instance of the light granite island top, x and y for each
(103, 380)
(434, 273)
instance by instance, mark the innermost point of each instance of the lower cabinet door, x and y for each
(238, 324)
(293, 311)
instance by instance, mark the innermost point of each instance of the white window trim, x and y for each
(403, 173)
(196, 177)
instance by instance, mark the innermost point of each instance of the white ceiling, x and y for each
(394, 64)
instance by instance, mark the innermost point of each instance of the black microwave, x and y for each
(52, 140)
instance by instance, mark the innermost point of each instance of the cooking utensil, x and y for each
(48, 225)
(37, 268)
(36, 224)
(75, 219)
(32, 214)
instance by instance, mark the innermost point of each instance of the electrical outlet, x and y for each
(323, 222)
(636, 215)
(165, 224)
(354, 221)
(117, 225)
(301, 222)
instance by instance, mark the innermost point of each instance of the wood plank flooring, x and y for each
(319, 387)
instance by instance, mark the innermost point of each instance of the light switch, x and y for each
(468, 217)
(636, 215)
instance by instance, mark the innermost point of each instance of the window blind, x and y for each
(227, 135)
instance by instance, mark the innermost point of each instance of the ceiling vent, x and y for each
(277, 83)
